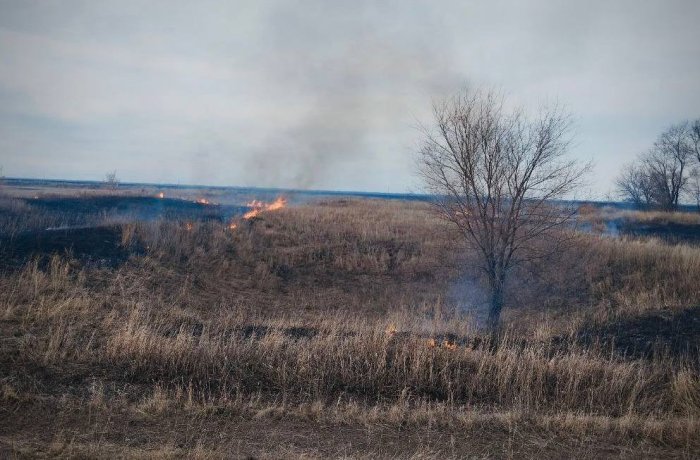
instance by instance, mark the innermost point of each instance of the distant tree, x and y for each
(111, 180)
(668, 165)
(694, 138)
(495, 174)
(694, 187)
(634, 185)
(660, 176)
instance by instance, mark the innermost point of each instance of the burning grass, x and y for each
(333, 319)
(258, 207)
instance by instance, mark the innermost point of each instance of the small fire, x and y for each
(431, 343)
(202, 201)
(259, 206)
(161, 195)
(391, 330)
(189, 226)
(449, 345)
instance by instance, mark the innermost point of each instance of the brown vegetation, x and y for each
(328, 330)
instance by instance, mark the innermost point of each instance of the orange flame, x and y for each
(391, 330)
(233, 226)
(259, 206)
(189, 226)
(202, 201)
(449, 345)
(161, 195)
(252, 213)
(431, 343)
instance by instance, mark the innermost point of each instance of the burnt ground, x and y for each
(669, 332)
(672, 232)
(70, 226)
(137, 207)
(99, 246)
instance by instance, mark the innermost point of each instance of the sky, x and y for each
(320, 94)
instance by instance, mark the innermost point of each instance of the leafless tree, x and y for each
(635, 185)
(496, 175)
(694, 146)
(660, 176)
(667, 164)
(111, 180)
(694, 138)
(694, 187)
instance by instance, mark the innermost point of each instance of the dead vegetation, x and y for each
(329, 328)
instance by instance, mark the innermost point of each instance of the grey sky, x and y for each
(320, 94)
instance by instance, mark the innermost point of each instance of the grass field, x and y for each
(339, 328)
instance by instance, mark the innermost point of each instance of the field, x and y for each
(138, 326)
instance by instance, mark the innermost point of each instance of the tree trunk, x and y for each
(496, 303)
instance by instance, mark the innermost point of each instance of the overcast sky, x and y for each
(320, 94)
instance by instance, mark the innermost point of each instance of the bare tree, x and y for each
(660, 176)
(111, 180)
(667, 165)
(635, 185)
(496, 175)
(694, 138)
(694, 142)
(694, 187)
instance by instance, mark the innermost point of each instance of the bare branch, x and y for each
(496, 176)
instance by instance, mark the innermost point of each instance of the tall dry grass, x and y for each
(633, 276)
(338, 312)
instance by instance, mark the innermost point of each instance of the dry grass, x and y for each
(632, 276)
(335, 318)
(688, 218)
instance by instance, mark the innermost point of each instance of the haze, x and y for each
(322, 95)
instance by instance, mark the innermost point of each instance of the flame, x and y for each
(161, 195)
(449, 345)
(202, 201)
(391, 330)
(189, 226)
(252, 213)
(259, 206)
(431, 343)
(279, 203)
